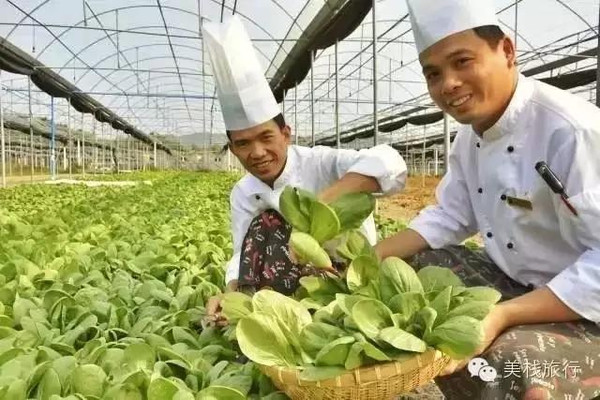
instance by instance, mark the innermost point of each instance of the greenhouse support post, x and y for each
(296, 114)
(598, 62)
(82, 147)
(52, 140)
(337, 98)
(312, 98)
(154, 155)
(375, 120)
(446, 143)
(70, 139)
(2, 135)
(31, 128)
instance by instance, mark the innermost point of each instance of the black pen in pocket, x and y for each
(555, 184)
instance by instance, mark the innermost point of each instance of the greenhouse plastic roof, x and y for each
(143, 59)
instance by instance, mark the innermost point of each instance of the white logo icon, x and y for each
(480, 367)
(488, 373)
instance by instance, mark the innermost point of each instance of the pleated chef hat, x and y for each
(434, 20)
(243, 91)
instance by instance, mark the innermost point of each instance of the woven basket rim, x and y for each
(363, 375)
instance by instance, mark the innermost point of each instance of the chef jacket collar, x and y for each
(507, 123)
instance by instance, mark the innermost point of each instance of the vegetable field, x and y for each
(102, 289)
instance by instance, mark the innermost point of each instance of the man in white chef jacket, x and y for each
(544, 256)
(260, 139)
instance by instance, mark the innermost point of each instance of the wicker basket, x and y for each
(376, 382)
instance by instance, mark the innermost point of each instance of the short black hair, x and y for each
(278, 119)
(492, 34)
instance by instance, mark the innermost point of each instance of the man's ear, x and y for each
(287, 132)
(508, 48)
(231, 147)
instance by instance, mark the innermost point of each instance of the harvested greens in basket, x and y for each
(376, 311)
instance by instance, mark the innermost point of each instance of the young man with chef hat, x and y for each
(260, 139)
(520, 140)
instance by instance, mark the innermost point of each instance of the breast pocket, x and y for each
(533, 209)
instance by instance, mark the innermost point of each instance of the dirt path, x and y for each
(25, 179)
(419, 193)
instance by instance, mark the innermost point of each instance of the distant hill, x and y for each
(198, 139)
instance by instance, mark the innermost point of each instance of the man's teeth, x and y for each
(460, 101)
(263, 164)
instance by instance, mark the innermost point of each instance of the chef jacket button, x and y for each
(478, 145)
(480, 190)
(510, 149)
(503, 197)
(489, 234)
(257, 197)
(510, 245)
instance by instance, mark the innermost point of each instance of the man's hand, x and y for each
(213, 307)
(213, 312)
(493, 325)
(539, 306)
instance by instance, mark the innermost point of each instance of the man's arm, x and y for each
(451, 221)
(350, 183)
(578, 285)
(404, 244)
(378, 169)
(536, 307)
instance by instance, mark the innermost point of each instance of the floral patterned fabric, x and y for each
(265, 262)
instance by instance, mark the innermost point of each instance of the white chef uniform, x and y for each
(544, 244)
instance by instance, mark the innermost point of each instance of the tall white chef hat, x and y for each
(434, 20)
(244, 93)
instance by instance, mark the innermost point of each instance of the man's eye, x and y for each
(431, 75)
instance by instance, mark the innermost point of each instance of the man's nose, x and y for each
(450, 83)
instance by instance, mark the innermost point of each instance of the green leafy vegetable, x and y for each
(309, 251)
(372, 316)
(324, 223)
(262, 340)
(435, 278)
(352, 209)
(459, 337)
(289, 204)
(398, 277)
(361, 272)
(236, 305)
(402, 340)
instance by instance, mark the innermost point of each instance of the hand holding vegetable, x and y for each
(493, 325)
(213, 312)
